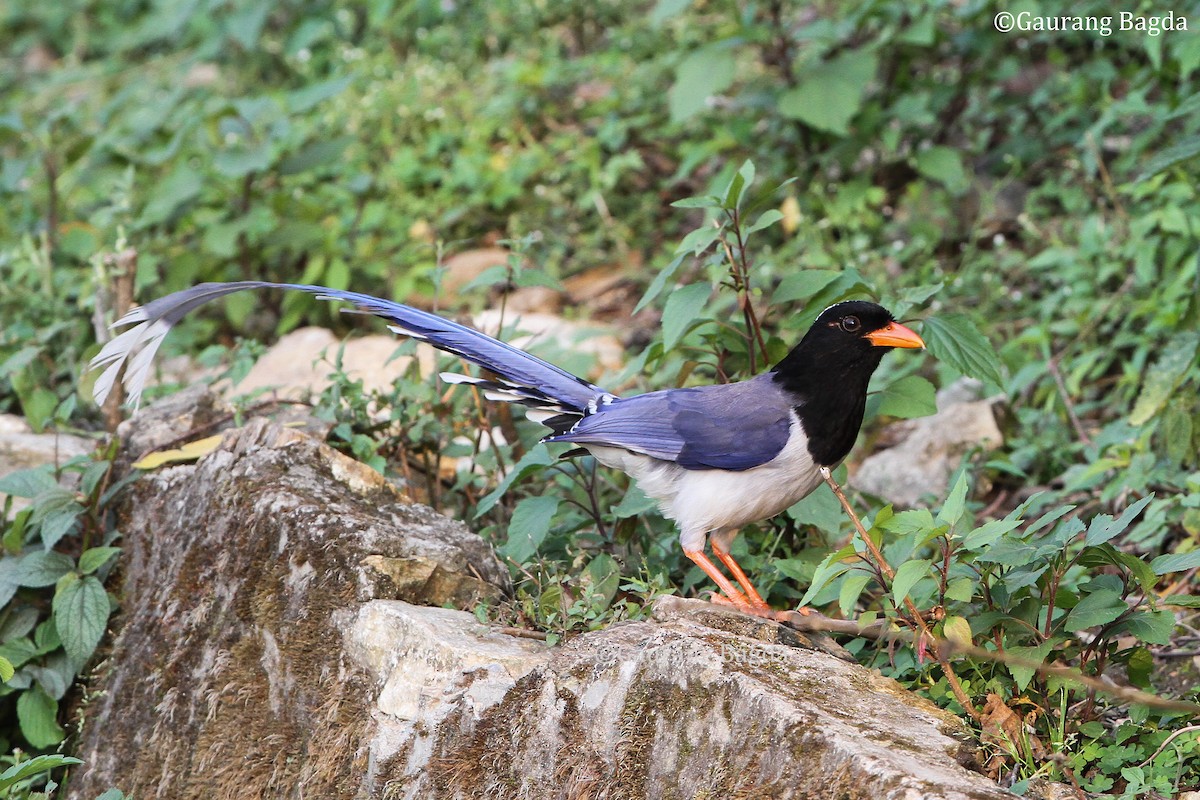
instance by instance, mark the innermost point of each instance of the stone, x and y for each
(21, 449)
(241, 572)
(930, 449)
(429, 663)
(670, 709)
(460, 269)
(302, 362)
(557, 340)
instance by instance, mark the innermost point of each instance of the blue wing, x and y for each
(736, 426)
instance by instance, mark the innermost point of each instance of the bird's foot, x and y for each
(744, 605)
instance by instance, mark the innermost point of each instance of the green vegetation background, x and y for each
(1038, 188)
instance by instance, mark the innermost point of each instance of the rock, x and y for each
(533, 299)
(558, 340)
(21, 448)
(429, 663)
(227, 677)
(195, 412)
(302, 362)
(670, 709)
(460, 269)
(931, 448)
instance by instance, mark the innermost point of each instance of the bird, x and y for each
(715, 458)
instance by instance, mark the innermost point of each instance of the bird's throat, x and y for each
(830, 405)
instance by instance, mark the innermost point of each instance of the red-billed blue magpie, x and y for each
(714, 457)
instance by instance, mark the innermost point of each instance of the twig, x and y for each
(523, 633)
(1168, 740)
(947, 648)
(229, 416)
(123, 274)
(938, 652)
(1056, 373)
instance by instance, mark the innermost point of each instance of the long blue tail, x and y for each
(545, 389)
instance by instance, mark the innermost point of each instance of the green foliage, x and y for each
(18, 781)
(53, 606)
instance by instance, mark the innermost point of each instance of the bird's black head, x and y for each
(828, 372)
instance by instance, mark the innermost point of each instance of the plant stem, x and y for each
(914, 619)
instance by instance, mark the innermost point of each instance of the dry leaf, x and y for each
(189, 452)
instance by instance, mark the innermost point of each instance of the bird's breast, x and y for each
(706, 500)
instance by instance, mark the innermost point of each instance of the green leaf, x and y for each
(315, 154)
(852, 587)
(241, 160)
(1182, 600)
(1151, 627)
(1104, 528)
(830, 94)
(960, 589)
(700, 76)
(1164, 377)
(906, 522)
(41, 568)
(737, 186)
(682, 311)
(956, 503)
(700, 201)
(906, 578)
(600, 579)
(634, 502)
(989, 532)
(833, 566)
(1022, 674)
(1176, 562)
(803, 284)
(765, 220)
(94, 558)
(1138, 568)
(38, 404)
(305, 98)
(1098, 608)
(530, 524)
(1175, 154)
(6, 670)
(81, 611)
(34, 766)
(957, 630)
(659, 283)
(699, 240)
(953, 338)
(906, 398)
(538, 458)
(181, 186)
(944, 165)
(37, 713)
(27, 482)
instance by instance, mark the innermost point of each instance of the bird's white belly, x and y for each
(706, 500)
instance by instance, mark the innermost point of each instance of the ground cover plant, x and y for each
(1027, 199)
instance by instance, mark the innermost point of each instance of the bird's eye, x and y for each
(851, 324)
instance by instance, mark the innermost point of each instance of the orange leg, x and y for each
(739, 574)
(735, 597)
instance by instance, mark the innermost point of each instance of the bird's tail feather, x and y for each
(547, 391)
